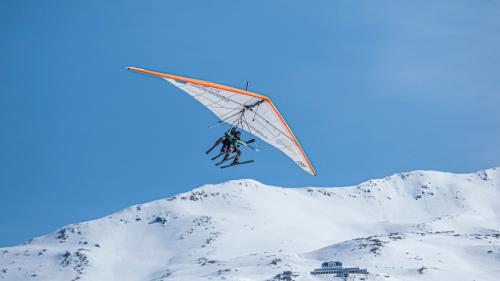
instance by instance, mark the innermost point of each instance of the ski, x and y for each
(210, 149)
(214, 146)
(234, 164)
(218, 155)
(224, 160)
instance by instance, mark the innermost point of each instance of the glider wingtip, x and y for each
(312, 171)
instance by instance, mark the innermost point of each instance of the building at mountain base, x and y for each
(335, 267)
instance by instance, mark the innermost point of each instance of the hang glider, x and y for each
(248, 111)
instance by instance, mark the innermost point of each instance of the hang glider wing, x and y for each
(249, 111)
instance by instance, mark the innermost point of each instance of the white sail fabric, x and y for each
(261, 120)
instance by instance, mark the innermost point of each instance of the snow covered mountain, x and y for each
(421, 225)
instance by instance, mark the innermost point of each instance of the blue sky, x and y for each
(370, 89)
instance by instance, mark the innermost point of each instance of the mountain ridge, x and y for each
(246, 230)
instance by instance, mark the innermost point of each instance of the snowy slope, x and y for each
(421, 225)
